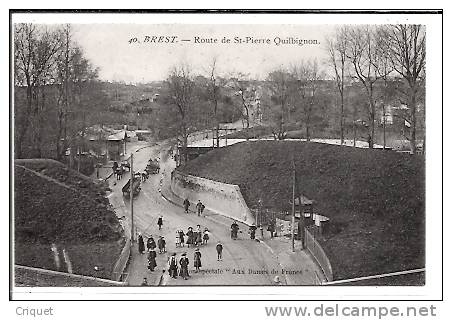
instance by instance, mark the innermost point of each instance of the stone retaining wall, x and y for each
(222, 198)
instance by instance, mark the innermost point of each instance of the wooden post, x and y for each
(79, 158)
(132, 236)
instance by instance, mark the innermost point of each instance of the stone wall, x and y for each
(218, 197)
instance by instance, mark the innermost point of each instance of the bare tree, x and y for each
(280, 82)
(246, 93)
(181, 87)
(337, 50)
(62, 75)
(34, 50)
(406, 47)
(307, 78)
(365, 57)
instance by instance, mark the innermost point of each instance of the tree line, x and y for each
(56, 92)
(369, 69)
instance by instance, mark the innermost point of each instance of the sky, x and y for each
(123, 54)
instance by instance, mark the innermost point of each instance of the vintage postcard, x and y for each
(224, 152)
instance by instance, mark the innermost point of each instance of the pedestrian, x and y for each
(198, 237)
(197, 260)
(219, 248)
(186, 205)
(271, 229)
(140, 244)
(177, 239)
(184, 266)
(151, 243)
(161, 244)
(172, 266)
(252, 232)
(115, 166)
(202, 209)
(262, 231)
(205, 236)
(181, 237)
(151, 260)
(199, 207)
(145, 282)
(160, 222)
(234, 230)
(190, 237)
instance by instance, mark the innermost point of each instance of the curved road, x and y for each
(245, 261)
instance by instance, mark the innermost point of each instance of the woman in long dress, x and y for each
(197, 260)
(140, 244)
(151, 260)
(190, 235)
(198, 240)
(184, 266)
(181, 237)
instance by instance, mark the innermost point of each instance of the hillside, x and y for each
(374, 198)
(54, 205)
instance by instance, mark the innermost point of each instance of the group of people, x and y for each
(199, 207)
(180, 268)
(235, 230)
(151, 245)
(194, 237)
(118, 170)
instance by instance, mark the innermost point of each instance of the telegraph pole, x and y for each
(293, 205)
(132, 234)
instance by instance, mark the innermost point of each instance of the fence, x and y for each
(316, 250)
(121, 264)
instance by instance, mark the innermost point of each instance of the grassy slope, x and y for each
(80, 221)
(375, 198)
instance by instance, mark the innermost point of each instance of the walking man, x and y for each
(160, 222)
(234, 230)
(161, 244)
(219, 248)
(186, 205)
(199, 206)
(252, 232)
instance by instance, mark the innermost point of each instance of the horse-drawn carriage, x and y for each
(136, 188)
(152, 167)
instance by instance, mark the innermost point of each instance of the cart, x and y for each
(153, 167)
(136, 188)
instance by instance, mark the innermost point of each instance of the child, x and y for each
(205, 236)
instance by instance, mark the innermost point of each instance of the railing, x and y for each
(316, 250)
(121, 264)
